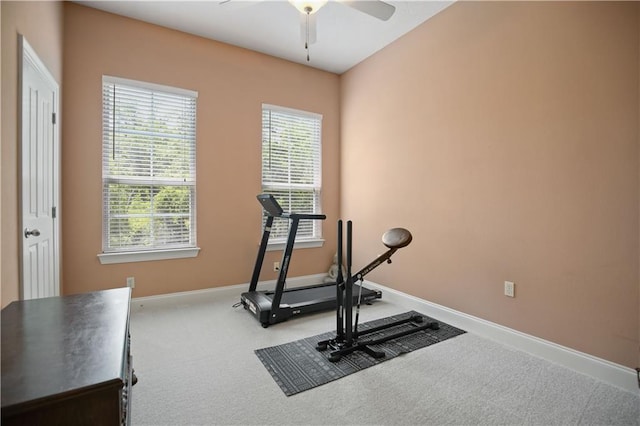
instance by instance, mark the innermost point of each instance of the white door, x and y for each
(39, 178)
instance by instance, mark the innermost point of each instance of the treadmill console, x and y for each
(270, 204)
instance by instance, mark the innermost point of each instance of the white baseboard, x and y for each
(598, 368)
(601, 369)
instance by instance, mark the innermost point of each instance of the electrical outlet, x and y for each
(509, 289)
(131, 282)
(276, 266)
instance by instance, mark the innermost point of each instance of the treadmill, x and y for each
(274, 306)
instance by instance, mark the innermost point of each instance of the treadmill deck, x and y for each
(300, 300)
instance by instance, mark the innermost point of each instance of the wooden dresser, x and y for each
(66, 360)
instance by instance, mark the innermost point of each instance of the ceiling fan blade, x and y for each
(231, 5)
(376, 8)
(312, 27)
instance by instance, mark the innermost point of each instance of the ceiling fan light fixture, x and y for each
(308, 6)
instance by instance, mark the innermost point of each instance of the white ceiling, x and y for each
(345, 36)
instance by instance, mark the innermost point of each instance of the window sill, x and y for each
(303, 244)
(144, 256)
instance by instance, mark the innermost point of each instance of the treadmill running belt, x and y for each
(294, 297)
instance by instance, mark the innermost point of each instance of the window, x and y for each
(148, 171)
(291, 168)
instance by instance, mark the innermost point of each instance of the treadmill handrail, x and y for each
(304, 216)
(273, 208)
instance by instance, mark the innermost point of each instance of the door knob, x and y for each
(29, 232)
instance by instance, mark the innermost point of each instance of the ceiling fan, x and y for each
(308, 8)
(376, 8)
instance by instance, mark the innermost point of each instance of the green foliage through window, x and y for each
(149, 179)
(291, 166)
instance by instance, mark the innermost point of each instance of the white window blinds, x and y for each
(291, 166)
(148, 166)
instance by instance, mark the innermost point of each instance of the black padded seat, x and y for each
(397, 238)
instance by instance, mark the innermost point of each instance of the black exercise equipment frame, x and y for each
(267, 307)
(347, 339)
(270, 204)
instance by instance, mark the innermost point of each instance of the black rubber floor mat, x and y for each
(298, 366)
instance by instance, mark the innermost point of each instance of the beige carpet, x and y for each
(196, 366)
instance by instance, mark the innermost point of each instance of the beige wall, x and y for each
(505, 137)
(1, 139)
(232, 84)
(41, 23)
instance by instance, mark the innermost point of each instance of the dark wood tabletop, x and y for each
(57, 347)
